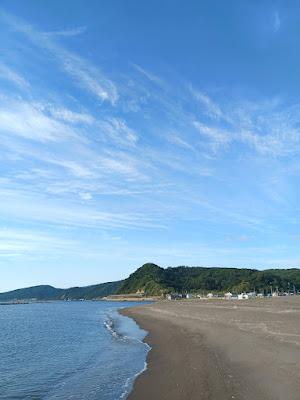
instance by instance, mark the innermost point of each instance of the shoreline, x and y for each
(164, 376)
(219, 350)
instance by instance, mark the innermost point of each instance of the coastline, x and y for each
(220, 350)
(125, 330)
(167, 375)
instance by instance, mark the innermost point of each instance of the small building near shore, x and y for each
(243, 296)
(175, 296)
(210, 295)
(228, 295)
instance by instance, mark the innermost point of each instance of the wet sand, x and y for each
(219, 350)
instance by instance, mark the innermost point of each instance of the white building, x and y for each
(243, 296)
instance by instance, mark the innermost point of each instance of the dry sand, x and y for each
(219, 350)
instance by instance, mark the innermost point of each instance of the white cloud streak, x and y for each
(19, 243)
(67, 32)
(118, 131)
(150, 76)
(70, 116)
(85, 74)
(12, 76)
(35, 207)
(216, 135)
(210, 107)
(28, 120)
(261, 128)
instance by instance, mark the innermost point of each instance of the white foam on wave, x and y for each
(109, 324)
(129, 381)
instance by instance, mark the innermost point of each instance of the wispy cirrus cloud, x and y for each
(210, 107)
(84, 73)
(40, 208)
(267, 128)
(67, 32)
(118, 131)
(9, 74)
(149, 75)
(179, 139)
(29, 121)
(176, 139)
(76, 168)
(71, 116)
(20, 243)
(217, 137)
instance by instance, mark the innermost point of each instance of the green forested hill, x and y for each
(150, 278)
(154, 280)
(45, 292)
(92, 292)
(42, 292)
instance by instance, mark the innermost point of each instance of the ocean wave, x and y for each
(129, 381)
(111, 324)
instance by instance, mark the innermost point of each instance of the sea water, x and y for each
(69, 350)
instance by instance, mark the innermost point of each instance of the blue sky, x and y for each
(163, 131)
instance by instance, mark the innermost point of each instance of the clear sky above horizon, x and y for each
(162, 131)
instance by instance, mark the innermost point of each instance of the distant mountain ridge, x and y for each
(46, 292)
(152, 280)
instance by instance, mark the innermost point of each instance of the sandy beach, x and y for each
(219, 350)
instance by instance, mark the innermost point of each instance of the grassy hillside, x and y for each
(45, 292)
(154, 280)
